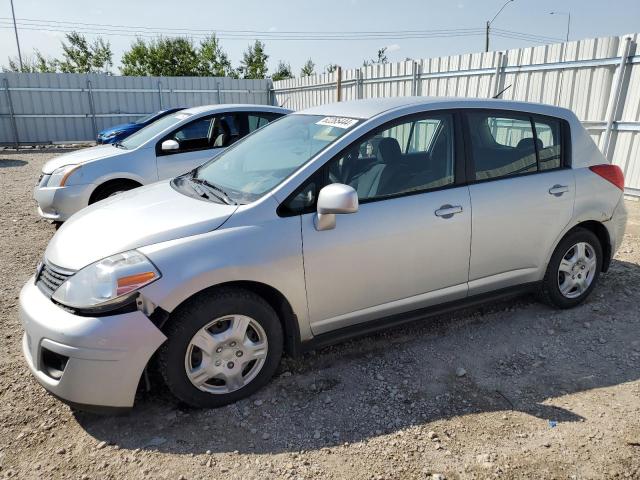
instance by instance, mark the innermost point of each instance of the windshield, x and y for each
(264, 159)
(147, 133)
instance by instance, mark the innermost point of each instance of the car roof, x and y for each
(373, 107)
(242, 107)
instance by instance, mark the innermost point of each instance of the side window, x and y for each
(193, 134)
(257, 120)
(408, 157)
(548, 133)
(501, 145)
(225, 130)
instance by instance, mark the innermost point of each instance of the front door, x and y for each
(408, 245)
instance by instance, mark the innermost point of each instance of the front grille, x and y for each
(51, 277)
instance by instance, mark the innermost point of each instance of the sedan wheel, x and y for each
(226, 354)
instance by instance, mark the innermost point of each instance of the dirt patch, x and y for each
(510, 390)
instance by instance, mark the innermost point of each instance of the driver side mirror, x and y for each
(334, 199)
(169, 145)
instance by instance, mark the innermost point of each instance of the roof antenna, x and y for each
(497, 95)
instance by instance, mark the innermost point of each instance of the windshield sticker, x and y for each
(338, 122)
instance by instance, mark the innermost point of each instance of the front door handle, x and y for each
(558, 190)
(448, 211)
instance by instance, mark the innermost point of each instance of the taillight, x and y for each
(611, 173)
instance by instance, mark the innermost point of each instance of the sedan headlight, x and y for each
(108, 283)
(60, 175)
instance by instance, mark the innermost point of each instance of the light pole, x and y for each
(568, 14)
(15, 28)
(486, 38)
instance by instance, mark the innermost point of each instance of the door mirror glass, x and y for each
(334, 199)
(169, 145)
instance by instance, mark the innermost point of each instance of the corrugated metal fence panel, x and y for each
(56, 107)
(579, 75)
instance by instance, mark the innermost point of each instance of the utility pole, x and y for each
(15, 28)
(486, 39)
(568, 14)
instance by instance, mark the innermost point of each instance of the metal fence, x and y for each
(599, 79)
(40, 108)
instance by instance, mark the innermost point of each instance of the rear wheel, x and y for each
(221, 347)
(573, 270)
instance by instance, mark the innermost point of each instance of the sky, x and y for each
(271, 20)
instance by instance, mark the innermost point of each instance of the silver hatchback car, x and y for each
(325, 224)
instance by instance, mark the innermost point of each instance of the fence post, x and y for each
(160, 93)
(415, 78)
(12, 114)
(92, 109)
(219, 92)
(498, 83)
(359, 83)
(615, 99)
(339, 84)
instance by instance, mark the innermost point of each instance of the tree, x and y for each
(307, 69)
(212, 60)
(332, 67)
(282, 72)
(254, 62)
(80, 56)
(38, 63)
(382, 58)
(171, 57)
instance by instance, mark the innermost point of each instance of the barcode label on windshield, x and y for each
(338, 122)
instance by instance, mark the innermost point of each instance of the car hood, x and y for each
(142, 216)
(82, 156)
(122, 126)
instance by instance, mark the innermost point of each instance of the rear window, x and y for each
(513, 144)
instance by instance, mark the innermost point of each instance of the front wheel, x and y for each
(221, 347)
(573, 270)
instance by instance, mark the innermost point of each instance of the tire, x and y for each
(112, 188)
(570, 286)
(230, 365)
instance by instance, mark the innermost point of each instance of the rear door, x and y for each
(522, 193)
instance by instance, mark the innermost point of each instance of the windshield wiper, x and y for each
(224, 196)
(119, 145)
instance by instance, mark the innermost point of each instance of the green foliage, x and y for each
(382, 58)
(332, 67)
(37, 63)
(308, 69)
(212, 60)
(282, 72)
(254, 62)
(171, 57)
(80, 56)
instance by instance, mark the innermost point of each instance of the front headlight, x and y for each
(108, 283)
(60, 175)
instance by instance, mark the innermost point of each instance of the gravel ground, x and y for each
(511, 390)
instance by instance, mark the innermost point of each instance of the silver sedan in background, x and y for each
(328, 223)
(170, 146)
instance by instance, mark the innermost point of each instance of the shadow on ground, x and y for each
(10, 163)
(518, 355)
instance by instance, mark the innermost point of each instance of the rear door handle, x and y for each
(558, 190)
(448, 211)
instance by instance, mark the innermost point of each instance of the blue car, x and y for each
(122, 131)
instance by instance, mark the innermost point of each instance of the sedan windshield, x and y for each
(147, 118)
(147, 133)
(264, 159)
